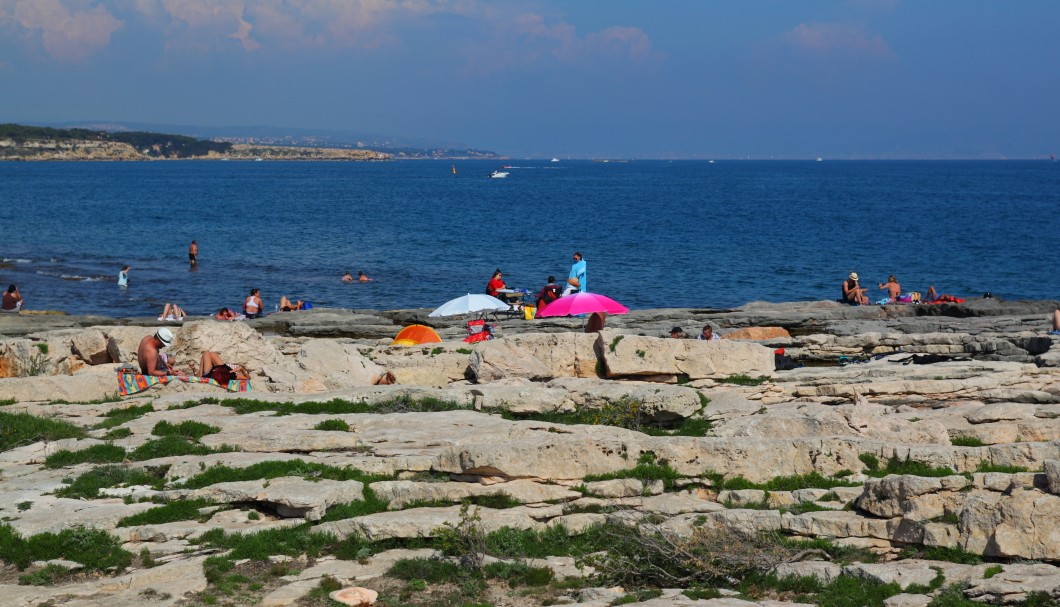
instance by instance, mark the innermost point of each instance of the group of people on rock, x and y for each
(576, 283)
(857, 295)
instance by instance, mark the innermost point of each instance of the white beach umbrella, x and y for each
(470, 303)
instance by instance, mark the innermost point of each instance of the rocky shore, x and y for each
(547, 466)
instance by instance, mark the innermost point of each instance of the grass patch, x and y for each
(966, 441)
(371, 504)
(89, 484)
(96, 454)
(18, 429)
(553, 541)
(637, 597)
(842, 555)
(646, 470)
(333, 425)
(117, 434)
(743, 380)
(804, 507)
(276, 469)
(403, 404)
(615, 342)
(180, 510)
(938, 553)
(189, 429)
(290, 541)
(622, 413)
(953, 596)
(812, 480)
(991, 571)
(93, 548)
(987, 467)
(906, 466)
(170, 446)
(463, 350)
(117, 417)
(46, 576)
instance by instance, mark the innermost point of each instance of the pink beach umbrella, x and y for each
(582, 303)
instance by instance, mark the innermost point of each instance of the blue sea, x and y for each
(653, 233)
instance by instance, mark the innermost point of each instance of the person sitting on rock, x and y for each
(227, 314)
(548, 294)
(252, 306)
(894, 290)
(149, 354)
(853, 293)
(677, 333)
(172, 311)
(11, 300)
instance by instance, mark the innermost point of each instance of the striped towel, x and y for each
(132, 383)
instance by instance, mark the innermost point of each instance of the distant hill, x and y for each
(20, 142)
(397, 147)
(157, 145)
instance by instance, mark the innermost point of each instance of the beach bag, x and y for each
(306, 305)
(528, 312)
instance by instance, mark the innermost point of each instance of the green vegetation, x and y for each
(18, 429)
(276, 469)
(94, 549)
(992, 570)
(291, 541)
(966, 441)
(47, 576)
(897, 466)
(637, 597)
(743, 380)
(117, 417)
(953, 596)
(938, 553)
(170, 446)
(117, 434)
(180, 510)
(615, 342)
(647, 469)
(812, 480)
(156, 144)
(402, 404)
(988, 467)
(334, 425)
(623, 413)
(7, 401)
(96, 454)
(88, 484)
(463, 350)
(436, 351)
(188, 430)
(371, 504)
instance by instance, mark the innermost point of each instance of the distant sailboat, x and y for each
(554, 159)
(454, 169)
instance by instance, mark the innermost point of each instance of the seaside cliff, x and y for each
(545, 466)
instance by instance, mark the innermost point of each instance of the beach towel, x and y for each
(133, 383)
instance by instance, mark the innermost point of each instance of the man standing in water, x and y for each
(576, 279)
(193, 252)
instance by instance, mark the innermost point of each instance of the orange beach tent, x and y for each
(414, 335)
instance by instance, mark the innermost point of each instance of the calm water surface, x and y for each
(654, 233)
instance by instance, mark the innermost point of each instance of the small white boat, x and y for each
(819, 159)
(554, 159)
(498, 174)
(710, 162)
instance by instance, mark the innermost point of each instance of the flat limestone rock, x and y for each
(400, 493)
(632, 355)
(292, 497)
(422, 522)
(1015, 582)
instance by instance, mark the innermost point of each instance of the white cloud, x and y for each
(69, 30)
(828, 38)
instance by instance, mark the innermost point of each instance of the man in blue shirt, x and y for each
(576, 279)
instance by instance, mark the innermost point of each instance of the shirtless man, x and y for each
(193, 252)
(853, 293)
(362, 277)
(894, 290)
(347, 277)
(152, 361)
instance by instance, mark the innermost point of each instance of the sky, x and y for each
(541, 78)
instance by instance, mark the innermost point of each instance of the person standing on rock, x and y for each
(1056, 323)
(193, 253)
(576, 279)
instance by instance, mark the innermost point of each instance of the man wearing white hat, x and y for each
(152, 361)
(853, 293)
